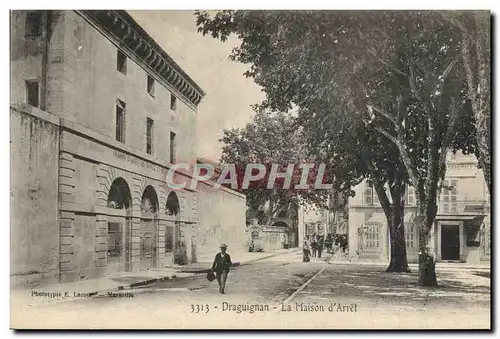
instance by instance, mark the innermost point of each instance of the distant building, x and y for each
(315, 221)
(461, 231)
(99, 113)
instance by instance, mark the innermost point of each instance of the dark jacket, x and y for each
(221, 264)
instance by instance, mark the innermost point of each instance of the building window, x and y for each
(410, 234)
(32, 93)
(121, 62)
(169, 239)
(370, 195)
(151, 86)
(371, 236)
(115, 242)
(410, 195)
(149, 135)
(120, 121)
(173, 102)
(33, 32)
(172, 147)
(450, 196)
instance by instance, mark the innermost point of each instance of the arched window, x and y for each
(173, 207)
(119, 195)
(149, 201)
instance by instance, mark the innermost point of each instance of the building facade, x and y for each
(315, 222)
(99, 114)
(461, 231)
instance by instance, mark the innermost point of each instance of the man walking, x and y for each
(221, 265)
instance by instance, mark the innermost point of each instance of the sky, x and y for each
(229, 95)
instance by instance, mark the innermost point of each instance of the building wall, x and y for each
(83, 84)
(221, 219)
(22, 65)
(34, 234)
(470, 190)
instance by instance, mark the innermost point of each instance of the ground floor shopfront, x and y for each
(87, 206)
(454, 237)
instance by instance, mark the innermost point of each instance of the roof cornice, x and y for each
(136, 40)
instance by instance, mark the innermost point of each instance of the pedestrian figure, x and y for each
(320, 247)
(305, 252)
(221, 265)
(314, 248)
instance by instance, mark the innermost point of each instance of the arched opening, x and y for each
(175, 239)
(173, 207)
(149, 201)
(149, 228)
(119, 198)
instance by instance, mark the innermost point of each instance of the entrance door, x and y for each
(450, 242)
(147, 254)
(115, 247)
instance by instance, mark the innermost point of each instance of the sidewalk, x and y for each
(119, 283)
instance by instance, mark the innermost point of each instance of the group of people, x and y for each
(319, 243)
(315, 249)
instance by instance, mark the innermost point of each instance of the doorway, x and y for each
(147, 251)
(450, 242)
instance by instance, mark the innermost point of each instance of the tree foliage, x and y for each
(382, 86)
(272, 139)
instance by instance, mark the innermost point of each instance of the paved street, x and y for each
(338, 296)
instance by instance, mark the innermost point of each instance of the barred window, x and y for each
(114, 240)
(371, 236)
(120, 121)
(172, 148)
(149, 135)
(169, 239)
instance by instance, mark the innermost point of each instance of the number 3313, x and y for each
(200, 308)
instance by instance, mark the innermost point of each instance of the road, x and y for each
(283, 292)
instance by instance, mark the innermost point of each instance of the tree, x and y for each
(297, 79)
(476, 50)
(396, 72)
(270, 139)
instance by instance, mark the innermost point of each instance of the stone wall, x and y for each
(34, 235)
(221, 219)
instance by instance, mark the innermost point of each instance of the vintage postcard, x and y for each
(250, 169)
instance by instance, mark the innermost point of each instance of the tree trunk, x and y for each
(399, 262)
(426, 256)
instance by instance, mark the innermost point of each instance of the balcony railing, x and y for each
(473, 207)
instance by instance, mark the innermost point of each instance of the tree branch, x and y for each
(397, 70)
(385, 114)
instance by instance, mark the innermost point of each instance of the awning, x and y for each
(377, 217)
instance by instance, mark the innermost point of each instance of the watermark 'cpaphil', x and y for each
(305, 176)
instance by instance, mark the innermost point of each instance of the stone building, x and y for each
(461, 231)
(99, 113)
(313, 222)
